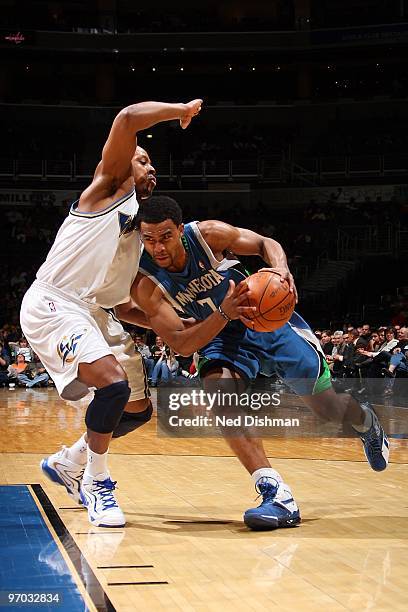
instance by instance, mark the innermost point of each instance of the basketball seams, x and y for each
(272, 307)
(275, 306)
(258, 321)
(266, 287)
(262, 296)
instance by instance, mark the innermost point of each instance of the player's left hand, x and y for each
(285, 275)
(192, 109)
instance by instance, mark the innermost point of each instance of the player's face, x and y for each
(163, 243)
(144, 174)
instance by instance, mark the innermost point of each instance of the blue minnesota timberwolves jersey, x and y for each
(199, 289)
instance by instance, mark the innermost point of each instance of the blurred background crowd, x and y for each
(355, 355)
(303, 138)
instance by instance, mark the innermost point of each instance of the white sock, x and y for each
(97, 465)
(77, 453)
(368, 421)
(268, 473)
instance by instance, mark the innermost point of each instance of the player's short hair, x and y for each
(159, 208)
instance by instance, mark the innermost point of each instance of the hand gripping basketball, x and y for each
(235, 303)
(273, 298)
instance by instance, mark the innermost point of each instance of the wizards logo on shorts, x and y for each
(67, 346)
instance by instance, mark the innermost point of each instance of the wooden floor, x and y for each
(184, 500)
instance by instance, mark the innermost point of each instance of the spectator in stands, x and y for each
(374, 343)
(166, 367)
(402, 336)
(381, 333)
(379, 358)
(192, 371)
(21, 348)
(385, 348)
(19, 372)
(38, 374)
(349, 353)
(157, 349)
(326, 342)
(399, 360)
(4, 364)
(146, 354)
(335, 359)
(365, 333)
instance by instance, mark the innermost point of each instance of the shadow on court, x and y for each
(368, 527)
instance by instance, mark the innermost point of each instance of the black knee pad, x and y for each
(131, 421)
(107, 406)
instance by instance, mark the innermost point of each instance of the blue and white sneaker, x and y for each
(97, 494)
(63, 471)
(278, 508)
(375, 442)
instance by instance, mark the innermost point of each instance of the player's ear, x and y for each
(181, 229)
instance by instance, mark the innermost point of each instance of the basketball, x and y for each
(274, 302)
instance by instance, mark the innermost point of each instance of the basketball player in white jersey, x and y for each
(91, 267)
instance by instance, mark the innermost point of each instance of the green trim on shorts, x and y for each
(324, 381)
(202, 361)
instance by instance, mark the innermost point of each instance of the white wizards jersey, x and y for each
(95, 256)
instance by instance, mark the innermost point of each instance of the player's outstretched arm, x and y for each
(164, 320)
(221, 236)
(115, 167)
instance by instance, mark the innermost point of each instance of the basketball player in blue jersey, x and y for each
(89, 269)
(183, 269)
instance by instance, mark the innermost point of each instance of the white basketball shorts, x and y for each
(65, 331)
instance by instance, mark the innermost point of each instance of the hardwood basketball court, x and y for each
(185, 546)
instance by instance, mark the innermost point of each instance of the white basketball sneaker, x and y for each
(63, 471)
(97, 494)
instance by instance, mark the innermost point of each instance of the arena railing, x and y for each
(270, 169)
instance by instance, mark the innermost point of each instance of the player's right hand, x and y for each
(235, 303)
(192, 109)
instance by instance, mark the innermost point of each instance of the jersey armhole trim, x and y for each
(104, 211)
(222, 265)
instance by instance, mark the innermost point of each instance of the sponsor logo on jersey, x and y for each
(206, 282)
(67, 346)
(127, 223)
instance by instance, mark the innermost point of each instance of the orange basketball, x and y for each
(274, 302)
